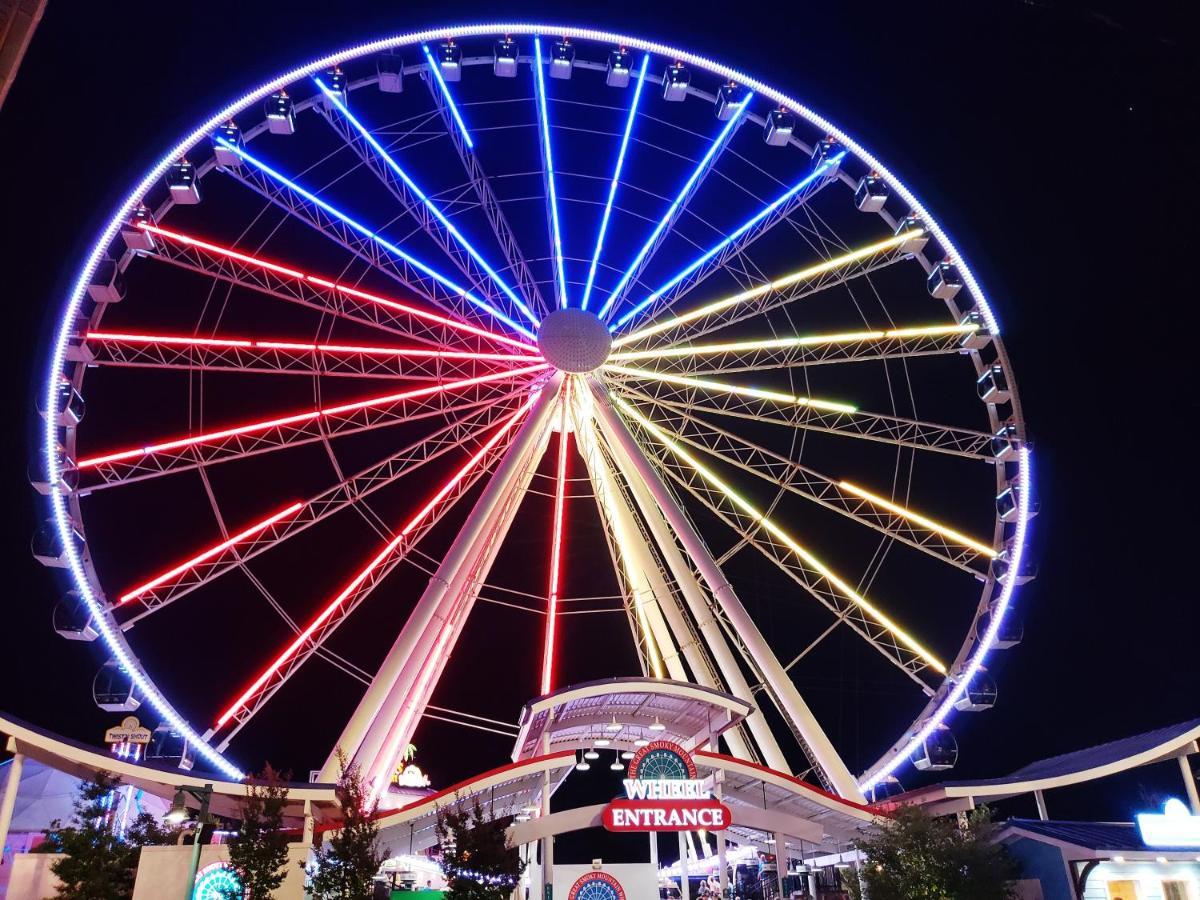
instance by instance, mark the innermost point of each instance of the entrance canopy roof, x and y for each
(623, 711)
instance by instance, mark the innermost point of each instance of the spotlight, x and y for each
(658, 726)
(591, 754)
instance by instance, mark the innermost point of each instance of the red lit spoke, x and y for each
(305, 347)
(286, 271)
(556, 543)
(92, 461)
(210, 553)
(397, 540)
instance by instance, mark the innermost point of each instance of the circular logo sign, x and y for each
(216, 881)
(596, 886)
(661, 759)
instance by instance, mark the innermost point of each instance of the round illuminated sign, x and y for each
(216, 881)
(661, 760)
(596, 886)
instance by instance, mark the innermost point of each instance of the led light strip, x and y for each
(612, 188)
(556, 544)
(721, 387)
(957, 536)
(215, 550)
(810, 340)
(782, 536)
(310, 415)
(414, 311)
(805, 274)
(733, 236)
(700, 169)
(366, 232)
(375, 562)
(436, 70)
(539, 79)
(427, 203)
(301, 347)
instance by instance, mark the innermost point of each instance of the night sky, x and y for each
(1051, 142)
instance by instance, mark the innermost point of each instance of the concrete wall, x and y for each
(639, 880)
(162, 871)
(31, 878)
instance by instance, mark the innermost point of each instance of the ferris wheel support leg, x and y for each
(794, 707)
(709, 628)
(381, 691)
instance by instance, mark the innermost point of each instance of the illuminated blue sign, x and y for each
(1175, 826)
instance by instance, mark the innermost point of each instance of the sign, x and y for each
(662, 793)
(130, 731)
(596, 886)
(1175, 826)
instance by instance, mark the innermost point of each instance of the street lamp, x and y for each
(178, 814)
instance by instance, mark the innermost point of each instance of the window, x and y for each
(1124, 890)
(1175, 890)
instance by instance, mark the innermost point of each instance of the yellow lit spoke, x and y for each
(957, 536)
(808, 340)
(805, 274)
(721, 387)
(782, 536)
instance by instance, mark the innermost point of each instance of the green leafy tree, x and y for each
(98, 863)
(477, 861)
(258, 854)
(915, 856)
(345, 865)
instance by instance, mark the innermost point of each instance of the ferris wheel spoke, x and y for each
(416, 202)
(713, 386)
(547, 151)
(860, 424)
(805, 350)
(206, 567)
(690, 186)
(343, 301)
(364, 582)
(285, 357)
(527, 285)
(240, 441)
(843, 497)
(786, 289)
(793, 558)
(602, 232)
(732, 245)
(363, 242)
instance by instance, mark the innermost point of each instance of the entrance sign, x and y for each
(662, 793)
(1175, 826)
(596, 886)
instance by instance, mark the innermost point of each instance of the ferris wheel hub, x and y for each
(574, 340)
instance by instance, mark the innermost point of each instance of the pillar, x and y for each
(307, 837)
(685, 889)
(548, 840)
(654, 850)
(1189, 784)
(812, 883)
(1040, 799)
(9, 800)
(719, 777)
(780, 861)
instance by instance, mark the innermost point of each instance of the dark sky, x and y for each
(1050, 139)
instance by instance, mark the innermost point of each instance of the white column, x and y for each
(1040, 799)
(654, 851)
(8, 801)
(720, 835)
(371, 722)
(307, 836)
(780, 861)
(1189, 784)
(793, 706)
(685, 889)
(548, 840)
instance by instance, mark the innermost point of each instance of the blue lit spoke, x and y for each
(734, 235)
(544, 127)
(441, 82)
(699, 171)
(429, 204)
(612, 188)
(366, 232)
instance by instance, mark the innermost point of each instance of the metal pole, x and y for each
(8, 801)
(777, 678)
(205, 794)
(1189, 784)
(719, 790)
(365, 733)
(1040, 799)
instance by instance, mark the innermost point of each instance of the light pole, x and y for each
(178, 814)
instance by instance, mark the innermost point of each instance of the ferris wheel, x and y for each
(408, 288)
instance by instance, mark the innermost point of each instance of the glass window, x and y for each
(1175, 890)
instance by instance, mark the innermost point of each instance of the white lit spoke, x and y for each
(702, 168)
(724, 387)
(547, 148)
(431, 218)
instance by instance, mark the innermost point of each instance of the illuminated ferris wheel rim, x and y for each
(965, 667)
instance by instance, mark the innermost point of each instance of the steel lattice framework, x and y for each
(755, 363)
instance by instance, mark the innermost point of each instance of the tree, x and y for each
(477, 860)
(914, 856)
(258, 854)
(344, 867)
(99, 864)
